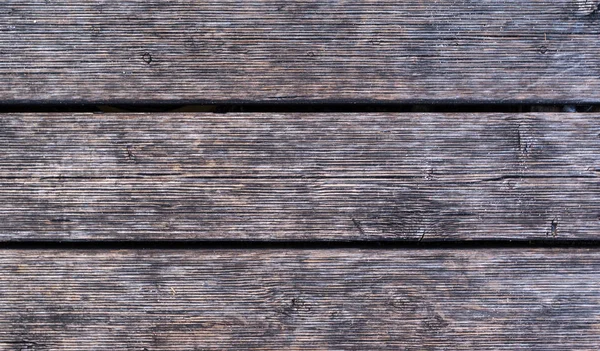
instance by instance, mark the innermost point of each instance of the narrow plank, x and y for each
(299, 177)
(297, 51)
(504, 299)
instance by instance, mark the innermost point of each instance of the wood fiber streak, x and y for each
(525, 299)
(297, 50)
(299, 177)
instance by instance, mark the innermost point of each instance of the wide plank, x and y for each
(222, 51)
(299, 209)
(476, 299)
(451, 147)
(299, 177)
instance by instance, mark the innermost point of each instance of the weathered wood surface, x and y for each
(297, 50)
(451, 147)
(298, 300)
(296, 209)
(299, 177)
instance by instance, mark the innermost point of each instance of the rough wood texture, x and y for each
(296, 209)
(299, 177)
(298, 50)
(300, 300)
(452, 147)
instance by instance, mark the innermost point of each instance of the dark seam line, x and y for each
(284, 105)
(296, 245)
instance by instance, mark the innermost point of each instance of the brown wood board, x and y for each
(451, 146)
(141, 51)
(505, 299)
(299, 177)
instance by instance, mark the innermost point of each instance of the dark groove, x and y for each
(295, 245)
(508, 177)
(285, 106)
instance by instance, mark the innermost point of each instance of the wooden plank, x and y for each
(298, 51)
(450, 147)
(299, 177)
(504, 299)
(296, 209)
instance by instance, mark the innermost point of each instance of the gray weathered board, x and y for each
(151, 51)
(299, 176)
(503, 299)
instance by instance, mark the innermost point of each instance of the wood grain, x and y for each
(504, 299)
(299, 177)
(143, 51)
(452, 147)
(331, 209)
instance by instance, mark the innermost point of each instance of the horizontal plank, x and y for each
(452, 147)
(506, 299)
(299, 177)
(299, 209)
(297, 51)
